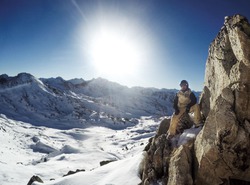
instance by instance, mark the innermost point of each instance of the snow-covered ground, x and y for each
(50, 153)
(68, 125)
(28, 150)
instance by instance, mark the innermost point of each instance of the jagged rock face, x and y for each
(228, 66)
(220, 154)
(222, 149)
(165, 163)
(180, 166)
(156, 156)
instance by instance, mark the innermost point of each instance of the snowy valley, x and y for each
(52, 126)
(51, 153)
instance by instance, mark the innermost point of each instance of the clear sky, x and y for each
(148, 43)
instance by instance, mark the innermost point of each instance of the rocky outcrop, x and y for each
(220, 154)
(222, 149)
(163, 162)
(156, 156)
(73, 172)
(34, 178)
(228, 66)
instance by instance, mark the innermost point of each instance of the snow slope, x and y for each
(49, 127)
(121, 172)
(28, 150)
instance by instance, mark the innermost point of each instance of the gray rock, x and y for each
(180, 166)
(228, 66)
(34, 178)
(222, 148)
(161, 156)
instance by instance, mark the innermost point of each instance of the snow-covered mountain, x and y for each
(55, 102)
(33, 111)
(49, 127)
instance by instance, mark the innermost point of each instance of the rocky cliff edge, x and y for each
(220, 154)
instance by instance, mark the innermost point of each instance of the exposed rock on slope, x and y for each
(220, 154)
(222, 149)
(164, 162)
(228, 66)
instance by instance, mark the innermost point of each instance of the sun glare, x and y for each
(114, 53)
(116, 44)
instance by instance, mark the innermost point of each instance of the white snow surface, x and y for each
(50, 153)
(121, 172)
(49, 127)
(28, 150)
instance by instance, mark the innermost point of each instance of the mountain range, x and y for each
(52, 128)
(56, 102)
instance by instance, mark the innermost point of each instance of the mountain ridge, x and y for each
(45, 102)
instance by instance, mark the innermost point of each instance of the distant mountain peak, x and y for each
(77, 103)
(76, 81)
(21, 78)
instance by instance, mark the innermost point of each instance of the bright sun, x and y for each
(114, 53)
(115, 43)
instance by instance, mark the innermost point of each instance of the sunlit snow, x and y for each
(27, 150)
(49, 127)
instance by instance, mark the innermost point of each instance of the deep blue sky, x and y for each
(49, 38)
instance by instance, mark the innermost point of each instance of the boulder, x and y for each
(34, 178)
(102, 163)
(180, 166)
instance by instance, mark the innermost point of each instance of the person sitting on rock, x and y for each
(184, 102)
